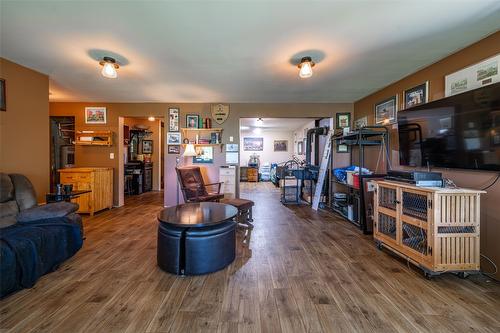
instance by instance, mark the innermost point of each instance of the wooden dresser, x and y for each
(98, 180)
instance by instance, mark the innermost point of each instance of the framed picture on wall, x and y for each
(361, 122)
(253, 144)
(173, 138)
(3, 100)
(385, 111)
(204, 155)
(95, 115)
(343, 120)
(192, 120)
(342, 149)
(280, 145)
(174, 149)
(147, 146)
(416, 95)
(173, 119)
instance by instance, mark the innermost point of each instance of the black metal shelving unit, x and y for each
(357, 141)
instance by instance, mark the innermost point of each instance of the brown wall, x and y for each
(24, 128)
(435, 74)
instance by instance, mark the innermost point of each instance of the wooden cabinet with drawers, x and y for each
(98, 180)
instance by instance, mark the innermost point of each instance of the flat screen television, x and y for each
(461, 131)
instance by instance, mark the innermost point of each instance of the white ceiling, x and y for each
(235, 51)
(274, 124)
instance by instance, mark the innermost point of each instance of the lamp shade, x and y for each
(189, 151)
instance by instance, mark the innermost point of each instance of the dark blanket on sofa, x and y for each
(30, 250)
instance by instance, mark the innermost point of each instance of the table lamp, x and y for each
(189, 151)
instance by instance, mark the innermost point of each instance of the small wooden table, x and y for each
(196, 238)
(54, 197)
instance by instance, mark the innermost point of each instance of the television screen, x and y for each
(461, 131)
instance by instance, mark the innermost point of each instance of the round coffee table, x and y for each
(196, 238)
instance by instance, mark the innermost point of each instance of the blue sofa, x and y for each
(34, 240)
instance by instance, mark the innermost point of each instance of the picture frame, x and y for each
(147, 146)
(386, 111)
(173, 138)
(253, 144)
(3, 96)
(232, 147)
(205, 154)
(361, 122)
(340, 148)
(174, 119)
(481, 74)
(343, 120)
(192, 120)
(280, 145)
(416, 95)
(95, 115)
(174, 149)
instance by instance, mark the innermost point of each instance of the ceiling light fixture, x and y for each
(151, 118)
(306, 65)
(109, 67)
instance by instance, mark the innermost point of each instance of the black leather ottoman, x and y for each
(196, 238)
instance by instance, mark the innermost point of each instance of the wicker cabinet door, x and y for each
(386, 217)
(416, 224)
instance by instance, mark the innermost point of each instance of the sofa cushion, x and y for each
(24, 191)
(6, 188)
(48, 211)
(8, 212)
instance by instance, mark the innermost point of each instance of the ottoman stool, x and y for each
(244, 207)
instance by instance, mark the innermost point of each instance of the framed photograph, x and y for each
(475, 76)
(417, 95)
(342, 149)
(385, 111)
(300, 148)
(280, 145)
(233, 147)
(204, 155)
(147, 146)
(174, 149)
(174, 119)
(95, 115)
(3, 97)
(361, 122)
(253, 144)
(173, 138)
(192, 120)
(343, 120)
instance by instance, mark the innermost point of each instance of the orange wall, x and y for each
(435, 74)
(24, 128)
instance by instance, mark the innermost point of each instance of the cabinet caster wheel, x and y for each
(463, 275)
(379, 246)
(428, 276)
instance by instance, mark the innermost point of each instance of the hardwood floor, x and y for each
(302, 271)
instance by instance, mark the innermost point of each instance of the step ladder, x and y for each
(322, 171)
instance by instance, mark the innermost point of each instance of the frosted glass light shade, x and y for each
(109, 70)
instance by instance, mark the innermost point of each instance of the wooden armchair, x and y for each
(194, 188)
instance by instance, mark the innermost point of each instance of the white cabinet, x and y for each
(227, 175)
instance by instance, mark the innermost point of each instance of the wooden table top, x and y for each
(200, 214)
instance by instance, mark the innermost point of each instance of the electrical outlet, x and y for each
(231, 139)
(111, 156)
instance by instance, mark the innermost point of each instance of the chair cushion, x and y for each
(6, 188)
(239, 203)
(48, 211)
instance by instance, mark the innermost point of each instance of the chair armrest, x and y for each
(218, 188)
(48, 211)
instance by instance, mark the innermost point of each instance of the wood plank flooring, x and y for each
(303, 271)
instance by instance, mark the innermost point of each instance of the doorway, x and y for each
(270, 147)
(141, 155)
(62, 146)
